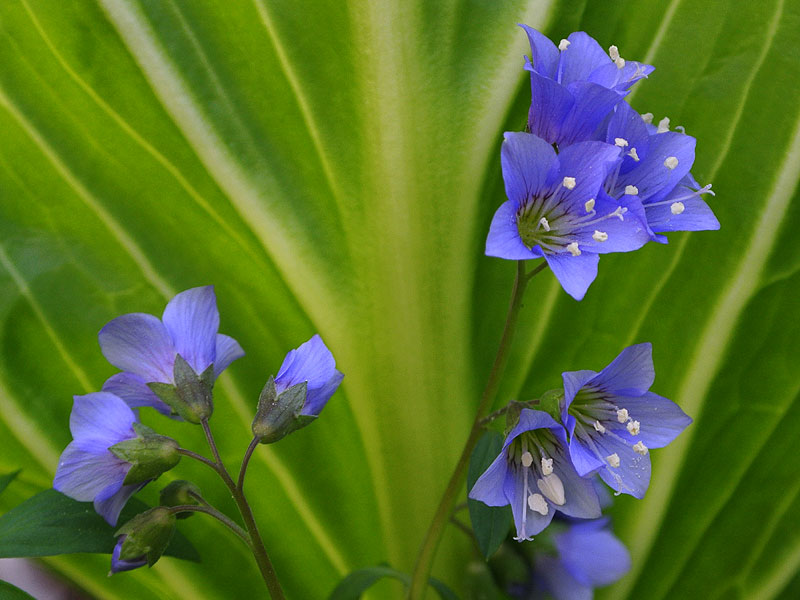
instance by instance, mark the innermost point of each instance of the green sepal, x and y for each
(551, 402)
(149, 454)
(278, 415)
(190, 396)
(180, 492)
(148, 534)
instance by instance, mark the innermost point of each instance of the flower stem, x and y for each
(256, 542)
(246, 461)
(210, 510)
(422, 568)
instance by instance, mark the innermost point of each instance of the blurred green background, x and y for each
(333, 167)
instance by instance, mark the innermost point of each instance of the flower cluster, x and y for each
(608, 422)
(591, 175)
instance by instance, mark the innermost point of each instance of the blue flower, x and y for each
(655, 169)
(589, 556)
(87, 470)
(556, 211)
(613, 420)
(145, 347)
(313, 363)
(534, 474)
(118, 565)
(574, 86)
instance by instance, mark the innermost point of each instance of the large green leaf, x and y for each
(333, 168)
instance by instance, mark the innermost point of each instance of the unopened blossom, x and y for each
(556, 209)
(533, 473)
(145, 347)
(575, 85)
(119, 565)
(613, 420)
(313, 363)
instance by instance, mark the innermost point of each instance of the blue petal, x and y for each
(490, 486)
(627, 124)
(624, 235)
(633, 474)
(139, 343)
(583, 458)
(559, 582)
(574, 273)
(110, 502)
(589, 163)
(503, 240)
(527, 522)
(611, 76)
(581, 498)
(592, 104)
(83, 475)
(592, 555)
(529, 420)
(117, 565)
(134, 391)
(696, 215)
(192, 320)
(551, 104)
(228, 350)
(652, 178)
(527, 162)
(544, 53)
(631, 373)
(583, 56)
(660, 419)
(311, 362)
(101, 417)
(573, 381)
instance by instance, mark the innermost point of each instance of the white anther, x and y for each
(563, 45)
(647, 117)
(598, 427)
(631, 190)
(621, 142)
(527, 459)
(613, 460)
(552, 488)
(547, 466)
(633, 154)
(671, 162)
(589, 205)
(573, 249)
(613, 52)
(599, 236)
(633, 427)
(677, 208)
(663, 125)
(569, 183)
(545, 224)
(640, 448)
(621, 210)
(620, 62)
(622, 415)
(537, 504)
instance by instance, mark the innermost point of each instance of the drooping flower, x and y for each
(142, 540)
(88, 470)
(655, 168)
(613, 420)
(295, 397)
(534, 474)
(146, 347)
(118, 565)
(588, 556)
(575, 85)
(556, 210)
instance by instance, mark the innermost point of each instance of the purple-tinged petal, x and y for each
(192, 320)
(82, 475)
(110, 502)
(529, 420)
(660, 419)
(118, 565)
(101, 417)
(139, 343)
(582, 56)
(611, 76)
(503, 240)
(134, 391)
(592, 103)
(228, 350)
(589, 163)
(527, 162)
(559, 582)
(551, 104)
(592, 554)
(652, 177)
(581, 499)
(627, 124)
(490, 486)
(574, 273)
(631, 373)
(583, 459)
(317, 398)
(696, 215)
(632, 476)
(313, 363)
(574, 381)
(528, 522)
(544, 53)
(613, 234)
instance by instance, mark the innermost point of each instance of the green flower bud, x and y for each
(279, 414)
(180, 493)
(147, 535)
(191, 396)
(149, 454)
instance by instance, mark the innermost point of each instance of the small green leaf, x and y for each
(490, 523)
(357, 582)
(12, 592)
(51, 523)
(6, 479)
